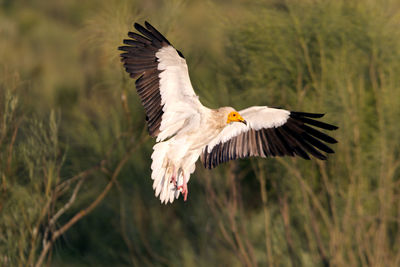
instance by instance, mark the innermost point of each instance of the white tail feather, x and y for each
(163, 170)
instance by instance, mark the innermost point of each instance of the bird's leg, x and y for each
(173, 177)
(184, 187)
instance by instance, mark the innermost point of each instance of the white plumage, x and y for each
(186, 130)
(180, 103)
(257, 118)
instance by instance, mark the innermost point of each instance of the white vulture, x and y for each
(187, 130)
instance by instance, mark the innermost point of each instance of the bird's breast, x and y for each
(203, 135)
(201, 131)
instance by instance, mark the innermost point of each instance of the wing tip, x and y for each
(307, 114)
(310, 118)
(334, 128)
(137, 26)
(147, 24)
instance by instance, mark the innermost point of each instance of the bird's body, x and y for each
(177, 156)
(187, 130)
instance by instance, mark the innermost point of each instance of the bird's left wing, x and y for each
(163, 82)
(269, 132)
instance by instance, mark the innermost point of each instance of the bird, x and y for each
(185, 130)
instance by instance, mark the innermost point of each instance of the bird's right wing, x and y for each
(163, 85)
(269, 132)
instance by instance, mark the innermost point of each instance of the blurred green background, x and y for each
(75, 186)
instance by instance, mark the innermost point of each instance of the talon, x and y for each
(173, 177)
(184, 191)
(173, 180)
(185, 196)
(184, 188)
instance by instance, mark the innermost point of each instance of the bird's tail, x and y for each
(162, 174)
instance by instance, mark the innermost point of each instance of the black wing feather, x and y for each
(140, 61)
(292, 138)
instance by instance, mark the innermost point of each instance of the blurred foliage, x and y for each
(75, 157)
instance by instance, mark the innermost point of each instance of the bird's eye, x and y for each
(234, 115)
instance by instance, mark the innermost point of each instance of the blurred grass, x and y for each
(66, 104)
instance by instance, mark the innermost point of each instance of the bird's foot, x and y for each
(184, 188)
(173, 177)
(173, 180)
(184, 191)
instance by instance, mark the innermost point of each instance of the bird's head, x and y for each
(227, 115)
(234, 116)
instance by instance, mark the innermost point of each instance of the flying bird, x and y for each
(185, 130)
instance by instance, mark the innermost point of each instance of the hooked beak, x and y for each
(235, 117)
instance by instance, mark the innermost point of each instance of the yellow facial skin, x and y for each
(235, 116)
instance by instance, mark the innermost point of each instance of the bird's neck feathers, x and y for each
(219, 117)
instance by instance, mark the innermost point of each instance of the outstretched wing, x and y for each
(163, 82)
(270, 132)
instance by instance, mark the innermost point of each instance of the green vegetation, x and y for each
(75, 187)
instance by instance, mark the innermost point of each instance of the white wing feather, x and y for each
(257, 117)
(181, 104)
